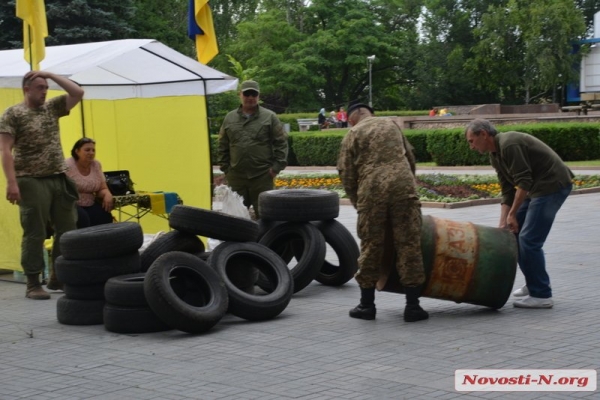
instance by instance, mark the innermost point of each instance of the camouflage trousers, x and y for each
(44, 200)
(405, 220)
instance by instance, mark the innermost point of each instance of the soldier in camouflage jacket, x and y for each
(376, 166)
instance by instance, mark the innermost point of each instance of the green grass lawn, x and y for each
(587, 163)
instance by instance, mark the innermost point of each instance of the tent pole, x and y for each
(82, 119)
(210, 166)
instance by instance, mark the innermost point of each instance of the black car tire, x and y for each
(311, 257)
(79, 312)
(212, 224)
(170, 241)
(229, 257)
(98, 271)
(185, 292)
(84, 292)
(126, 290)
(102, 241)
(299, 205)
(345, 247)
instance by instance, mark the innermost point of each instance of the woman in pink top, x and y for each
(95, 200)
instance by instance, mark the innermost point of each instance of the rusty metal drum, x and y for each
(464, 262)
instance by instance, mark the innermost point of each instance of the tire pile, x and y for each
(175, 284)
(300, 223)
(90, 257)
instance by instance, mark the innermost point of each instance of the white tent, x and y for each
(121, 69)
(144, 104)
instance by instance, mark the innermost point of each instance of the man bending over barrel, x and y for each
(535, 183)
(376, 166)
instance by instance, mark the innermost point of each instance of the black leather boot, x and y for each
(413, 311)
(366, 309)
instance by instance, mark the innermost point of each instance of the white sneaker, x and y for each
(534, 302)
(521, 292)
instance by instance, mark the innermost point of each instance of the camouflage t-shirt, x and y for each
(37, 149)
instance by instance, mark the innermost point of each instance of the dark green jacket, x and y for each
(523, 161)
(248, 147)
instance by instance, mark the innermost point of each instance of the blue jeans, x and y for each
(535, 218)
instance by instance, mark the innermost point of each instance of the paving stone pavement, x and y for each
(313, 350)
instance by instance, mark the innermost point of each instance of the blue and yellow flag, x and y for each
(35, 29)
(201, 28)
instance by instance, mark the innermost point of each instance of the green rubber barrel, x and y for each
(464, 262)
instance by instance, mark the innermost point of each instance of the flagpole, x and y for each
(30, 46)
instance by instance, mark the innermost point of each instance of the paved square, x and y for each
(313, 350)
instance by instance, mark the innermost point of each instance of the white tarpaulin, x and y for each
(121, 69)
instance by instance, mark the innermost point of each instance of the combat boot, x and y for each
(413, 311)
(53, 282)
(366, 309)
(34, 289)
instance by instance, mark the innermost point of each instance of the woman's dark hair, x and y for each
(79, 144)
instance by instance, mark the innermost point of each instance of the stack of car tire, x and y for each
(90, 257)
(300, 223)
(237, 261)
(175, 284)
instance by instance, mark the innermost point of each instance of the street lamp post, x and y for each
(370, 61)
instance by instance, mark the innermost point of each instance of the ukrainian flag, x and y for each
(35, 29)
(201, 29)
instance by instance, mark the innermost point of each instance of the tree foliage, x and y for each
(526, 47)
(165, 21)
(313, 54)
(80, 21)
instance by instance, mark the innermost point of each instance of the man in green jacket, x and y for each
(535, 182)
(253, 147)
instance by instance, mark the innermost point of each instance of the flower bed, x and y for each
(431, 187)
(442, 188)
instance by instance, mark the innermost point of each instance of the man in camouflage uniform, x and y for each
(253, 147)
(377, 167)
(34, 167)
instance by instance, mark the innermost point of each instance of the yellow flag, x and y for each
(35, 29)
(206, 44)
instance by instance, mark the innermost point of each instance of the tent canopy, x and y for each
(121, 69)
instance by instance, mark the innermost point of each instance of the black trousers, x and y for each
(92, 215)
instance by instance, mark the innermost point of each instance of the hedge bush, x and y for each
(446, 147)
(292, 119)
(571, 141)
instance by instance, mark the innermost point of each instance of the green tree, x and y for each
(82, 21)
(11, 27)
(227, 14)
(588, 8)
(395, 72)
(265, 46)
(72, 21)
(447, 40)
(526, 46)
(165, 21)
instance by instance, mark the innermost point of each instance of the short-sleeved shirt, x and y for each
(87, 185)
(37, 149)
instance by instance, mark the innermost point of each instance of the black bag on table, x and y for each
(119, 182)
